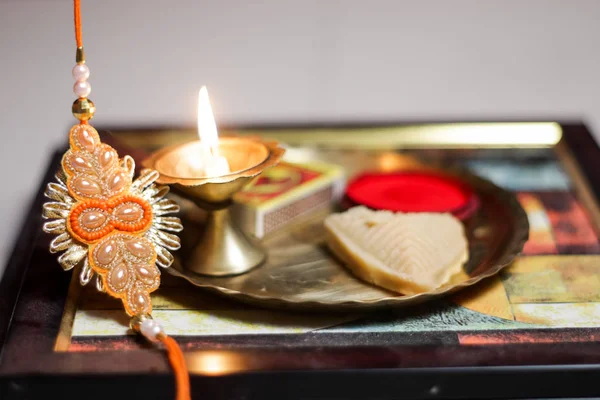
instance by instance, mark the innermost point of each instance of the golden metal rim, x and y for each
(416, 136)
(581, 185)
(63, 339)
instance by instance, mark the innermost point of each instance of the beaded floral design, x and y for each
(112, 226)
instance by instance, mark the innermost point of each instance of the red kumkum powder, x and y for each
(413, 192)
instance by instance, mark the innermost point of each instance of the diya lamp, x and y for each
(209, 172)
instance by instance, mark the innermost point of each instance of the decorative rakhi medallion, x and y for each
(114, 227)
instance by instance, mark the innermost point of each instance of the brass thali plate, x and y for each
(301, 273)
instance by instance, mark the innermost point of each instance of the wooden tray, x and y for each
(465, 345)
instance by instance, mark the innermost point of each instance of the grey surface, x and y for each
(281, 60)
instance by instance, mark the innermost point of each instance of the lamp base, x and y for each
(223, 249)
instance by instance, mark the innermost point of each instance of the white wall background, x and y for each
(277, 60)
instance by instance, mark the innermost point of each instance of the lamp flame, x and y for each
(207, 127)
(210, 162)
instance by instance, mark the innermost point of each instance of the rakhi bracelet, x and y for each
(110, 227)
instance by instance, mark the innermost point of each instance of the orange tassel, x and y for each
(182, 377)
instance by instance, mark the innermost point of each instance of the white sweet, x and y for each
(407, 253)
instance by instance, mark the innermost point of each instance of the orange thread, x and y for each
(108, 206)
(77, 23)
(177, 360)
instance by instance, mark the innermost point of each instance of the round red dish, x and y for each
(413, 192)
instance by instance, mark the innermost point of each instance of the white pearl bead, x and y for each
(81, 72)
(82, 89)
(150, 329)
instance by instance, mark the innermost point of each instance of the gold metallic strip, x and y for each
(458, 135)
(63, 339)
(580, 183)
(80, 55)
